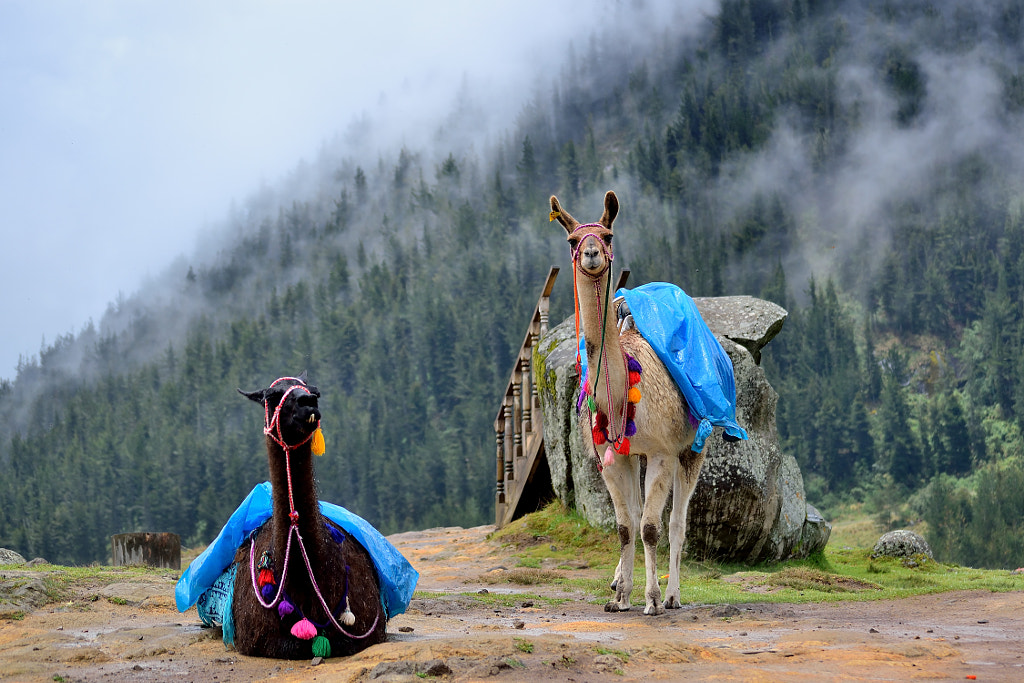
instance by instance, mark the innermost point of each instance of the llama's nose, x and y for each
(591, 252)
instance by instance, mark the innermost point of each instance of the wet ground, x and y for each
(131, 631)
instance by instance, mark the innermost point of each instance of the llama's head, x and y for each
(291, 409)
(591, 243)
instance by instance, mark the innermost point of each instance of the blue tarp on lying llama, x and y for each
(397, 577)
(670, 322)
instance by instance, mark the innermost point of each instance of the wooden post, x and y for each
(150, 549)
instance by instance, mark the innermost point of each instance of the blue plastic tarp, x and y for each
(397, 577)
(669, 320)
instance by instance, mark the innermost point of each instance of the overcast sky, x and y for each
(126, 127)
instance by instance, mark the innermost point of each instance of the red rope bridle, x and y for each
(615, 432)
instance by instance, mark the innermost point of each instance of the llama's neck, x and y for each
(597, 319)
(305, 499)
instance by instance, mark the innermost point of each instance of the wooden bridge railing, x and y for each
(519, 428)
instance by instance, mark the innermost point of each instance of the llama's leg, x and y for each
(622, 480)
(661, 473)
(685, 482)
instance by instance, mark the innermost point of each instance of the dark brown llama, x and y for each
(304, 587)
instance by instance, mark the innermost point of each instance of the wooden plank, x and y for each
(532, 459)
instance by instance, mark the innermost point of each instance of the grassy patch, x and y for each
(524, 645)
(811, 578)
(623, 656)
(564, 535)
(845, 570)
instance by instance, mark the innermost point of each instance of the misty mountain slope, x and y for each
(856, 162)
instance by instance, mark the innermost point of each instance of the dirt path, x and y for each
(131, 631)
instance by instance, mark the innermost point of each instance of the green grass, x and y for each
(623, 656)
(58, 579)
(845, 569)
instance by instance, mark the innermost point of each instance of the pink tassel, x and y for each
(304, 629)
(609, 456)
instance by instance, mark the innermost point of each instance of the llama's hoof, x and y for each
(613, 606)
(672, 602)
(654, 610)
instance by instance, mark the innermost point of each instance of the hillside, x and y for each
(856, 162)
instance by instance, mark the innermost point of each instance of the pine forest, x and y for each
(859, 163)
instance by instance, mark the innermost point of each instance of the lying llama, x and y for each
(305, 587)
(632, 408)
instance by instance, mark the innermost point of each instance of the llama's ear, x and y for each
(611, 209)
(258, 396)
(562, 216)
(302, 377)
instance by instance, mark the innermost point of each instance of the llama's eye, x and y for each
(574, 242)
(607, 240)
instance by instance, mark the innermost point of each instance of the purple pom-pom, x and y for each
(633, 364)
(268, 591)
(284, 608)
(630, 428)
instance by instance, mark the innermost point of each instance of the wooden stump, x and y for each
(150, 549)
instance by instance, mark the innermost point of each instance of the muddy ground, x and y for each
(131, 631)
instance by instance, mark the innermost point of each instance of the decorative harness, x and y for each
(263, 583)
(602, 428)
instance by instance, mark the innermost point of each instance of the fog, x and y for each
(129, 130)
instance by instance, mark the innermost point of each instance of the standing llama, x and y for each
(633, 404)
(305, 587)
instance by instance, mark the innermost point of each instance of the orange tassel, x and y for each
(634, 395)
(318, 446)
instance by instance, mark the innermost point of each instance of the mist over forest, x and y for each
(858, 163)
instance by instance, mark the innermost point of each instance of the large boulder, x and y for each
(749, 502)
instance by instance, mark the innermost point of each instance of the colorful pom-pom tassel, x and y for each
(267, 591)
(598, 435)
(634, 378)
(601, 421)
(609, 456)
(284, 608)
(622, 447)
(591, 404)
(304, 629)
(630, 411)
(318, 445)
(348, 618)
(634, 395)
(266, 577)
(321, 647)
(633, 364)
(630, 428)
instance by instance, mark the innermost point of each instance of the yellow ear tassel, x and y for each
(318, 445)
